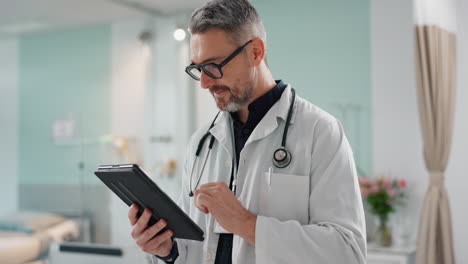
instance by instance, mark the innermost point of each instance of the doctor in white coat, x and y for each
(303, 207)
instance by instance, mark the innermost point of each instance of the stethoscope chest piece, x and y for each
(281, 158)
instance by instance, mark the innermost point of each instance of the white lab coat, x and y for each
(308, 212)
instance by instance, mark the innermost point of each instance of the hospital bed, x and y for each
(25, 237)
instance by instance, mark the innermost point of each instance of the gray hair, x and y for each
(236, 17)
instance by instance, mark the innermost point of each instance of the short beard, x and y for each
(235, 103)
(232, 107)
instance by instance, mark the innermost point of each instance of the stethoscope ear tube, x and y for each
(200, 144)
(202, 140)
(210, 146)
(197, 153)
(288, 118)
(282, 157)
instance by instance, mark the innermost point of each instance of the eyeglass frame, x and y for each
(201, 67)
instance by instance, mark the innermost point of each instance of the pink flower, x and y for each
(387, 184)
(392, 193)
(402, 183)
(364, 181)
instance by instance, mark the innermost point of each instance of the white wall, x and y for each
(9, 124)
(130, 67)
(397, 137)
(457, 171)
(151, 97)
(205, 106)
(173, 98)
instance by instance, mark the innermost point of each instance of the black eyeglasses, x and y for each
(212, 69)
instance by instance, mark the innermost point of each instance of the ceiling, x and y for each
(22, 16)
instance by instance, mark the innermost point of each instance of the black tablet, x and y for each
(132, 185)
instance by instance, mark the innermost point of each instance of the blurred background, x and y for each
(86, 83)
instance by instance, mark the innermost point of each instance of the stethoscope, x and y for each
(281, 157)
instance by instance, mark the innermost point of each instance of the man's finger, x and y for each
(156, 242)
(150, 232)
(212, 184)
(210, 191)
(202, 201)
(132, 214)
(141, 224)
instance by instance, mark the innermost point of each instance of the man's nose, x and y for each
(206, 81)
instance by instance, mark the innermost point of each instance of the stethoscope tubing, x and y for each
(212, 139)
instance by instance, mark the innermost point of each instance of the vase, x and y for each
(384, 233)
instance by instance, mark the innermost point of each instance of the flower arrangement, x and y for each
(382, 195)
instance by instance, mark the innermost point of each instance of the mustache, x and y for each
(218, 88)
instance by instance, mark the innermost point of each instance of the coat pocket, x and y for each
(285, 197)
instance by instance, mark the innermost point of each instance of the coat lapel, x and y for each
(270, 121)
(222, 131)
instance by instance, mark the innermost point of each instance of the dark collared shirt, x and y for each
(242, 132)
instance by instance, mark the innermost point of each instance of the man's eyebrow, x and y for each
(207, 60)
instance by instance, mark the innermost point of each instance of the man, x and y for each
(303, 207)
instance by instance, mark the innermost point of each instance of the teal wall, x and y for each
(62, 73)
(322, 47)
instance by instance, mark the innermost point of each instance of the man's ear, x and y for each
(258, 51)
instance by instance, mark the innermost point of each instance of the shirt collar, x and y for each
(261, 105)
(222, 130)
